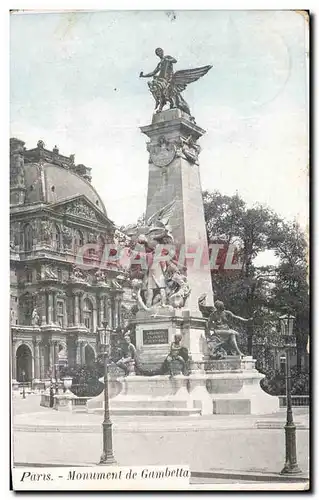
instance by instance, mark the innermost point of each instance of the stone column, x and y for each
(76, 309)
(14, 360)
(82, 354)
(69, 307)
(119, 318)
(51, 357)
(109, 312)
(42, 306)
(50, 308)
(115, 313)
(78, 352)
(81, 320)
(55, 307)
(56, 352)
(37, 374)
(101, 311)
(42, 353)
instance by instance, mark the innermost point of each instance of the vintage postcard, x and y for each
(159, 298)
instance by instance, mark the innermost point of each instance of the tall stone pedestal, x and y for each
(174, 175)
(154, 335)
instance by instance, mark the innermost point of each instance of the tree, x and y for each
(229, 220)
(268, 290)
(291, 290)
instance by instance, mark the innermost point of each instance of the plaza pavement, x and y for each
(245, 444)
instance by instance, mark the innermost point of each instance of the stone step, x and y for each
(151, 411)
(279, 424)
(147, 403)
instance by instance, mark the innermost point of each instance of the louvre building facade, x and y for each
(57, 304)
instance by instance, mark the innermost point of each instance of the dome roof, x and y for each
(51, 183)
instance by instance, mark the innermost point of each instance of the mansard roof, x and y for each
(49, 177)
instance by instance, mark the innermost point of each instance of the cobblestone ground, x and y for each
(203, 449)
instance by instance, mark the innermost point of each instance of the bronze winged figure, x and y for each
(166, 86)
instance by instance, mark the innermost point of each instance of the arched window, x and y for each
(28, 237)
(78, 239)
(56, 238)
(60, 313)
(24, 363)
(88, 314)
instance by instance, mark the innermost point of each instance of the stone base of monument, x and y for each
(159, 395)
(228, 386)
(233, 384)
(155, 333)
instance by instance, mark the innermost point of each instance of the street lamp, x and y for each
(23, 383)
(107, 457)
(291, 465)
(56, 377)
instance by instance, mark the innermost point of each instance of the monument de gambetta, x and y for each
(185, 359)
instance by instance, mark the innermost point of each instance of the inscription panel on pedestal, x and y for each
(155, 337)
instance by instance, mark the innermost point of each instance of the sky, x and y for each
(75, 84)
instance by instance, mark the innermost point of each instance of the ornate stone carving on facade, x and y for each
(100, 277)
(162, 153)
(116, 285)
(16, 163)
(77, 275)
(40, 154)
(63, 355)
(14, 235)
(45, 230)
(67, 236)
(12, 316)
(81, 209)
(35, 318)
(92, 238)
(48, 273)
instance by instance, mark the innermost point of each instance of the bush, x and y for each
(275, 383)
(85, 380)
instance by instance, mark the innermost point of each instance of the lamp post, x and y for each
(23, 384)
(291, 465)
(107, 457)
(56, 377)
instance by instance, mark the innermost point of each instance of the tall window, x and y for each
(88, 314)
(78, 239)
(101, 243)
(28, 237)
(28, 276)
(60, 312)
(26, 305)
